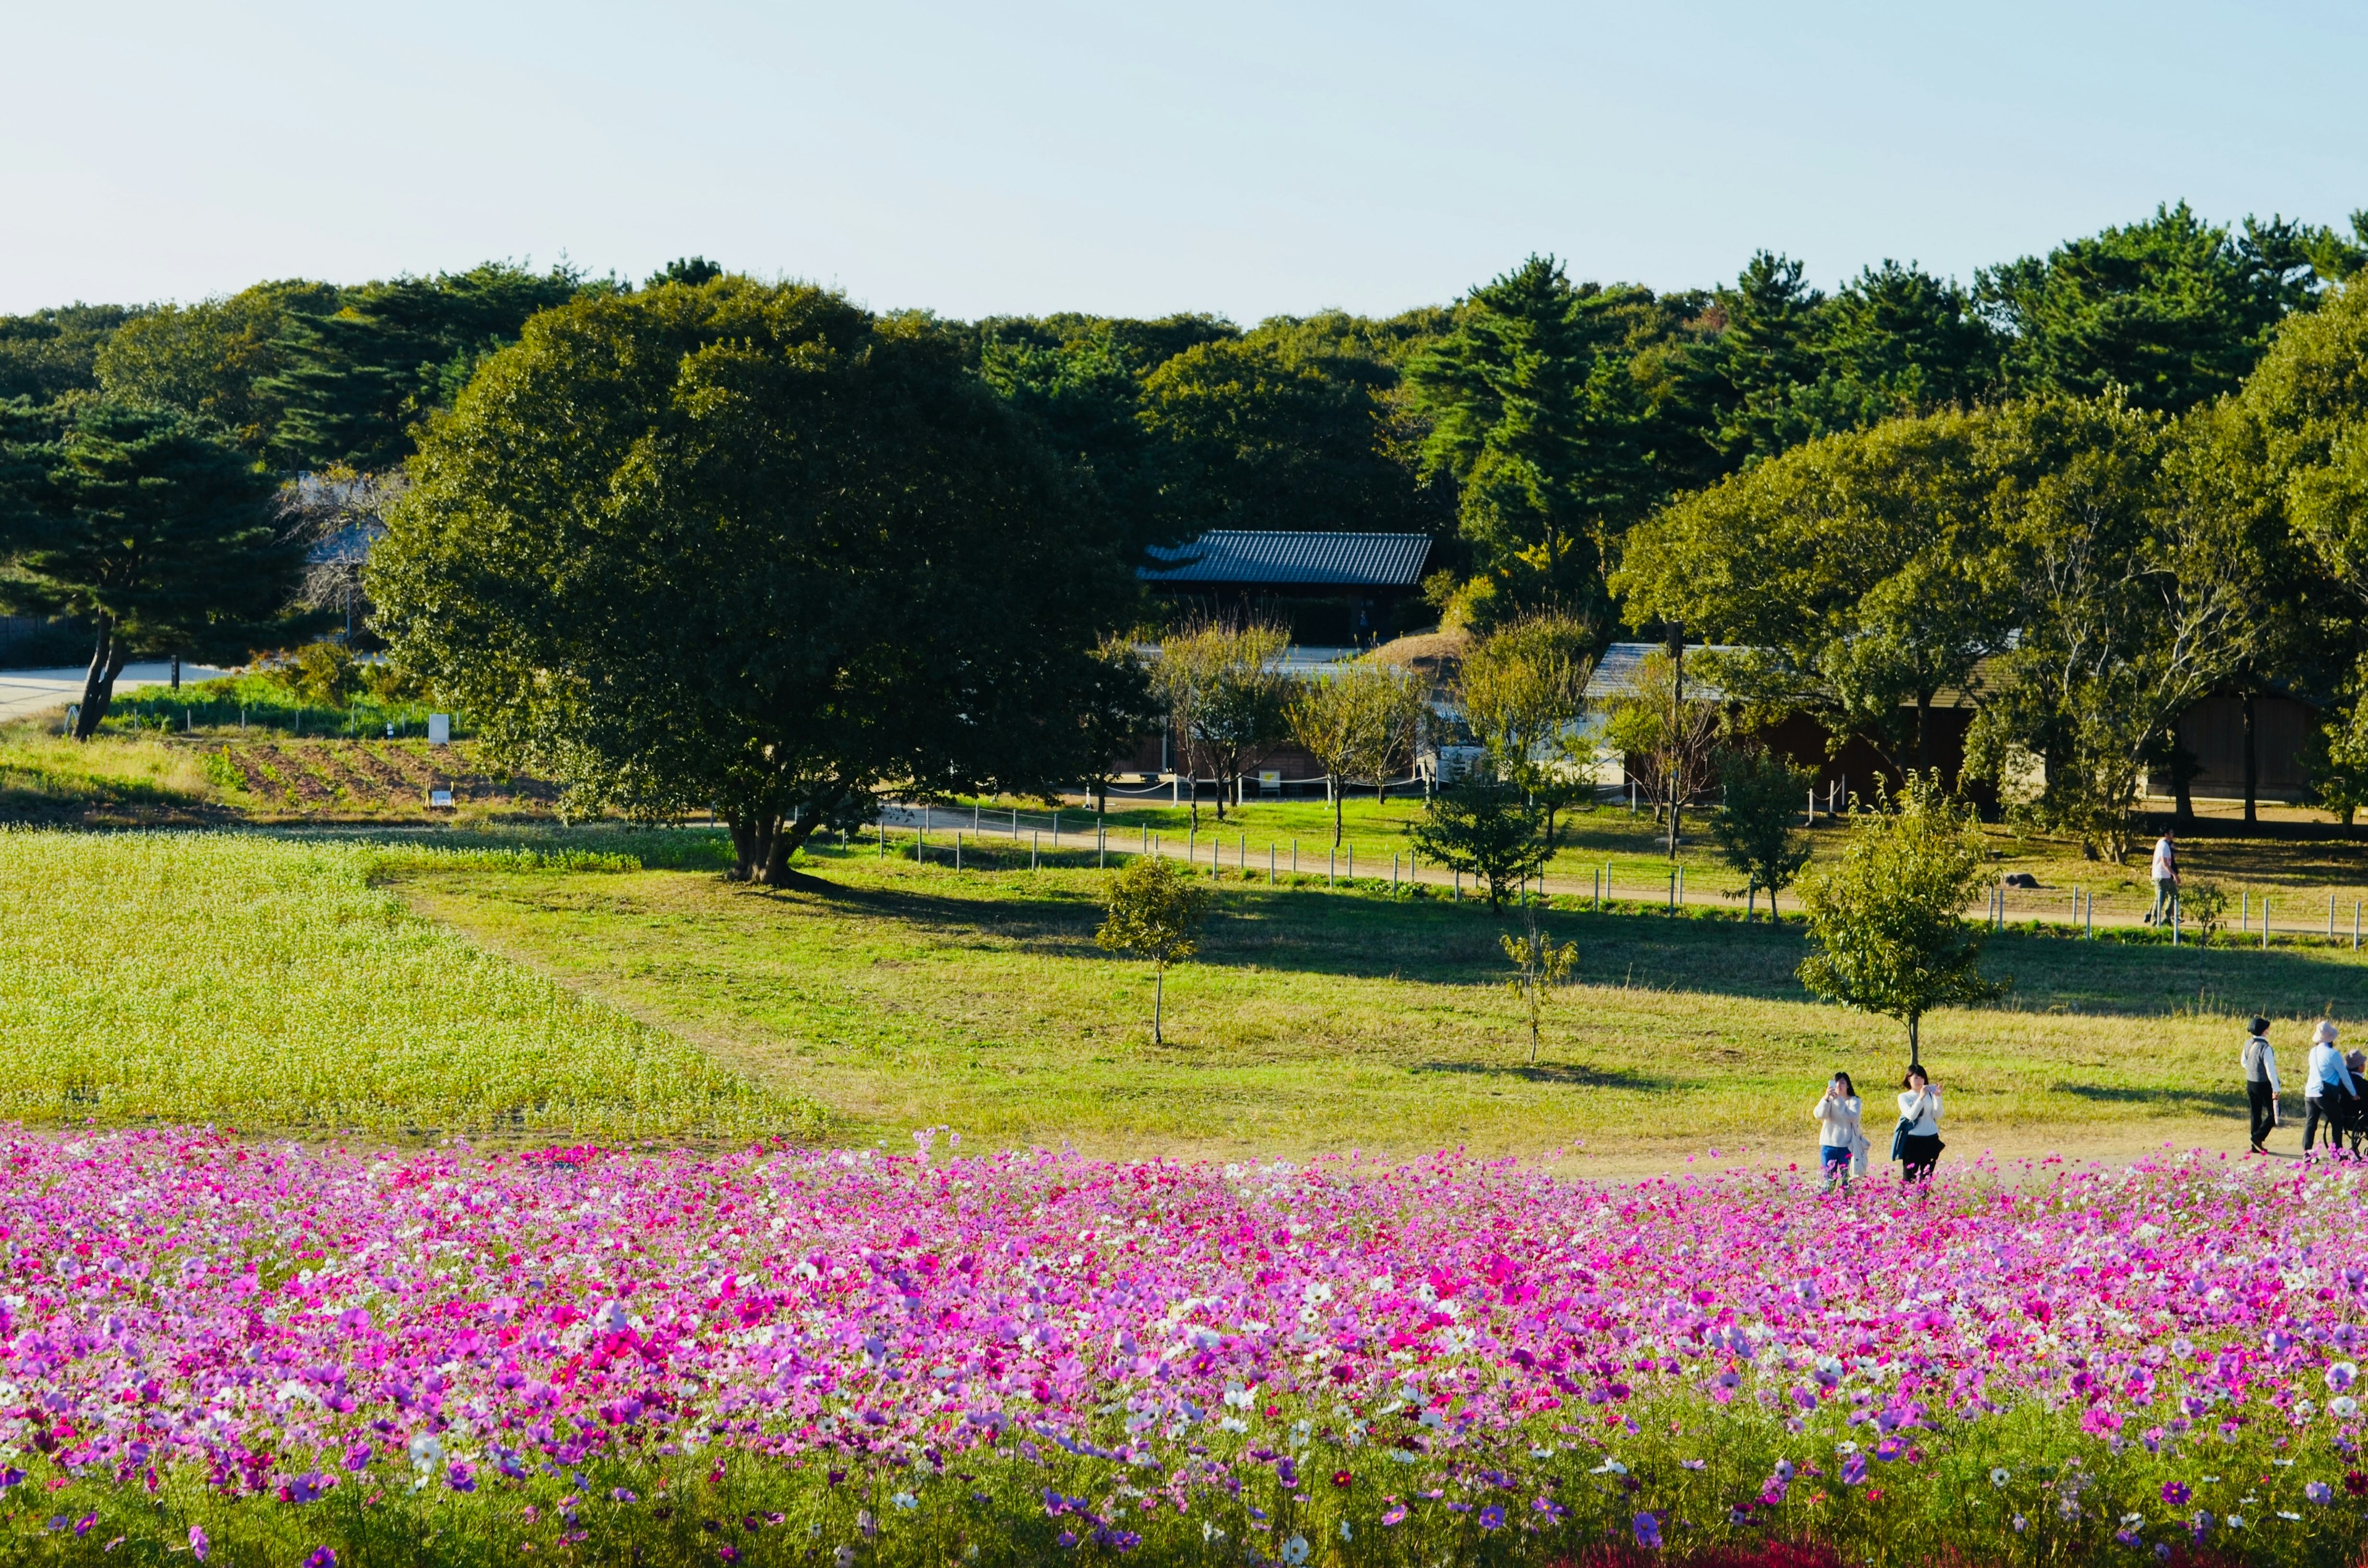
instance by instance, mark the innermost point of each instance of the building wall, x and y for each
(2214, 734)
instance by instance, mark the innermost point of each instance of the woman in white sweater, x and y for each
(1836, 1116)
(1918, 1145)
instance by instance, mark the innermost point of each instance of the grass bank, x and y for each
(901, 994)
(266, 984)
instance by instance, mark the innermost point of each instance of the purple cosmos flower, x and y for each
(82, 1525)
(323, 1557)
(1646, 1527)
(1492, 1517)
(1393, 1518)
(199, 1547)
(1853, 1470)
(2175, 1492)
(619, 1495)
(461, 1477)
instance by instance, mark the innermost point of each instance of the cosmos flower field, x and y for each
(228, 1353)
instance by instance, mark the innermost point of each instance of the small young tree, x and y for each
(1485, 830)
(1887, 927)
(1541, 965)
(1669, 738)
(1154, 911)
(1753, 825)
(1356, 724)
(1524, 689)
(1224, 691)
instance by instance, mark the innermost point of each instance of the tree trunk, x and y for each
(1923, 731)
(2253, 762)
(99, 686)
(2182, 791)
(1158, 998)
(1333, 786)
(1192, 778)
(752, 845)
(1914, 1055)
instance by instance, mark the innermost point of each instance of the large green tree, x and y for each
(1538, 415)
(2173, 310)
(143, 524)
(217, 358)
(1851, 575)
(355, 379)
(52, 352)
(748, 546)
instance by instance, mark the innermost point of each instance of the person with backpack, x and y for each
(2330, 1097)
(2258, 1060)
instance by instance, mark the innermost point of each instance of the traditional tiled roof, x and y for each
(1312, 559)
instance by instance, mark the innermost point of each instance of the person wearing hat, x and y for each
(2260, 1061)
(2330, 1097)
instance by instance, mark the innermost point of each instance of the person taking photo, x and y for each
(1839, 1138)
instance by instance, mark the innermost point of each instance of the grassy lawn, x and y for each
(905, 996)
(266, 986)
(2299, 874)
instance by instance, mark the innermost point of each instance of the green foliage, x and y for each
(355, 378)
(2173, 311)
(140, 523)
(2204, 906)
(2134, 566)
(1541, 965)
(1226, 694)
(1361, 725)
(1760, 795)
(214, 358)
(52, 352)
(1887, 929)
(1487, 832)
(1852, 575)
(289, 1019)
(1895, 341)
(1153, 908)
(1538, 414)
(1524, 691)
(325, 673)
(1669, 737)
(744, 546)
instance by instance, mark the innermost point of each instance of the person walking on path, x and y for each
(2260, 1061)
(1917, 1144)
(1838, 1139)
(2330, 1097)
(2166, 880)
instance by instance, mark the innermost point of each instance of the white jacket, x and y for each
(2259, 1060)
(1839, 1120)
(1923, 1109)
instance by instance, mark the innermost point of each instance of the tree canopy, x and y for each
(748, 547)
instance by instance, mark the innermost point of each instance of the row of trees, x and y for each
(2079, 570)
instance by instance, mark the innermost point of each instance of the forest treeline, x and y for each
(2113, 477)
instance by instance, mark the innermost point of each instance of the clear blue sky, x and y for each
(1244, 158)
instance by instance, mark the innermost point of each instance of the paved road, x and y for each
(24, 693)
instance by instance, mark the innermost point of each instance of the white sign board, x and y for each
(440, 729)
(440, 796)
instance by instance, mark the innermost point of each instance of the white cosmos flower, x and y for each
(1294, 1551)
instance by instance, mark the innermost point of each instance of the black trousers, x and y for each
(2264, 1102)
(1922, 1151)
(2329, 1110)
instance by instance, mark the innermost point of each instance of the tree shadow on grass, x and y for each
(1567, 1074)
(1361, 936)
(2224, 1101)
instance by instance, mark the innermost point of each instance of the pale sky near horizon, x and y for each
(1243, 159)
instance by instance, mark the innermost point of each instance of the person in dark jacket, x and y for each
(2259, 1062)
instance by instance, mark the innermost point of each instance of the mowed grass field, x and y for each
(903, 994)
(604, 984)
(266, 986)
